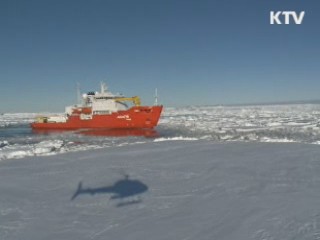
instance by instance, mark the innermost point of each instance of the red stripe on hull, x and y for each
(135, 117)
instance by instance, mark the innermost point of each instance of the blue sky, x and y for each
(194, 52)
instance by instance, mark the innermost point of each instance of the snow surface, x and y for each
(165, 190)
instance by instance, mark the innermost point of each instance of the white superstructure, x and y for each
(103, 102)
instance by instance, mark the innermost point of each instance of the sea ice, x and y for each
(165, 190)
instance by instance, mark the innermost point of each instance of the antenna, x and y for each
(156, 97)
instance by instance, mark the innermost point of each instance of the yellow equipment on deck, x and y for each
(136, 100)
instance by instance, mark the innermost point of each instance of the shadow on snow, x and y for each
(121, 189)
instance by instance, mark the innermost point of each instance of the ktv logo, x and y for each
(287, 17)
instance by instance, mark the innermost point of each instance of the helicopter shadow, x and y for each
(121, 189)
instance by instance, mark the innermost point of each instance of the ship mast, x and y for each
(103, 87)
(78, 94)
(156, 97)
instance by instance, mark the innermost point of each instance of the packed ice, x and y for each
(265, 123)
(14, 119)
(259, 123)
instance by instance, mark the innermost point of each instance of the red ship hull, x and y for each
(135, 117)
